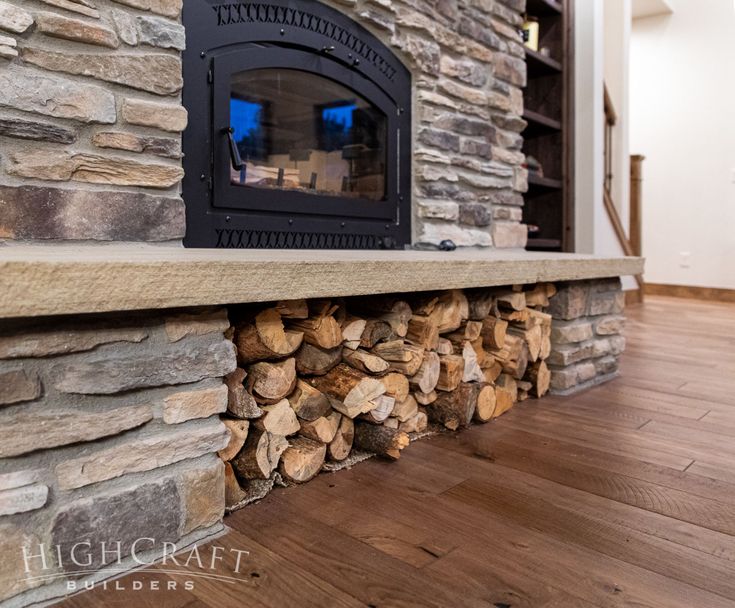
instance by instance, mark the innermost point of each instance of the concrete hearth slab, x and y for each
(40, 280)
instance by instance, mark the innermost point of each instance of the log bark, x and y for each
(238, 435)
(472, 371)
(455, 409)
(322, 429)
(469, 330)
(260, 455)
(302, 460)
(307, 402)
(451, 371)
(486, 402)
(445, 347)
(532, 337)
(234, 494)
(423, 331)
(426, 379)
(355, 391)
(513, 300)
(480, 303)
(403, 358)
(265, 338)
(270, 382)
(376, 330)
(425, 398)
(380, 440)
(492, 372)
(321, 331)
(451, 311)
(364, 361)
(339, 448)
(540, 377)
(240, 403)
(314, 361)
(279, 419)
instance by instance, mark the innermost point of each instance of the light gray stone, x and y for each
(151, 451)
(76, 30)
(18, 386)
(14, 578)
(570, 301)
(18, 479)
(509, 235)
(41, 93)
(167, 8)
(167, 147)
(203, 496)
(167, 117)
(606, 303)
(14, 19)
(571, 332)
(25, 432)
(607, 326)
(161, 33)
(126, 26)
(188, 405)
(183, 325)
(606, 365)
(146, 511)
(83, 7)
(22, 500)
(440, 210)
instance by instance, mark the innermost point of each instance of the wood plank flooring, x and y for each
(621, 496)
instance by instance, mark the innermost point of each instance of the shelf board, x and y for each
(536, 182)
(538, 124)
(543, 8)
(543, 243)
(540, 65)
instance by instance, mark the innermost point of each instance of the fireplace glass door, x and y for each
(298, 131)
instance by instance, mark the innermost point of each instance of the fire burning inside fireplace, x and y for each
(300, 130)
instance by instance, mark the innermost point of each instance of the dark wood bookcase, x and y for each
(549, 137)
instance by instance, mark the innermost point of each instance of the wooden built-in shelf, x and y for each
(543, 183)
(539, 125)
(541, 65)
(542, 8)
(544, 243)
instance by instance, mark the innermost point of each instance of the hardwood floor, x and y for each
(621, 496)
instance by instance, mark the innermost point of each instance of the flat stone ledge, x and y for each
(38, 280)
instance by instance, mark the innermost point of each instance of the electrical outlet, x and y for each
(685, 259)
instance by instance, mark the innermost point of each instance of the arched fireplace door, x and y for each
(299, 130)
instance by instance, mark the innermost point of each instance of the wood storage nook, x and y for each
(323, 383)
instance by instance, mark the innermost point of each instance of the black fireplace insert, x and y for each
(299, 130)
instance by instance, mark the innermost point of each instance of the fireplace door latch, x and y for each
(235, 158)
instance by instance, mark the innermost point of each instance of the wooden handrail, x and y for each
(612, 213)
(636, 198)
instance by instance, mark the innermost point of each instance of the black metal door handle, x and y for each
(235, 158)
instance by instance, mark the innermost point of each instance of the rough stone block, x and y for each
(438, 210)
(606, 365)
(181, 326)
(510, 69)
(22, 500)
(34, 130)
(18, 479)
(31, 212)
(469, 72)
(17, 386)
(439, 139)
(569, 354)
(161, 33)
(149, 511)
(77, 30)
(160, 146)
(608, 326)
(435, 233)
(14, 578)
(167, 117)
(188, 405)
(24, 432)
(167, 8)
(92, 168)
(31, 91)
(571, 332)
(148, 451)
(570, 302)
(612, 302)
(203, 496)
(617, 344)
(83, 7)
(181, 364)
(14, 19)
(568, 377)
(509, 235)
(154, 73)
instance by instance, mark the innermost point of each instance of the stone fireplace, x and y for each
(130, 128)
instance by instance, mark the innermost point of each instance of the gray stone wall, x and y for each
(109, 429)
(586, 334)
(90, 117)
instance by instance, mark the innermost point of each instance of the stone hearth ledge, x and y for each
(37, 280)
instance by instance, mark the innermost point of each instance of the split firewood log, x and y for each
(240, 403)
(455, 409)
(234, 494)
(392, 423)
(415, 424)
(539, 376)
(376, 330)
(517, 360)
(381, 412)
(279, 419)
(314, 361)
(322, 331)
(445, 347)
(405, 409)
(451, 371)
(451, 310)
(355, 392)
(260, 455)
(353, 328)
(293, 309)
(307, 402)
(503, 401)
(394, 311)
(532, 337)
(508, 383)
(469, 330)
(302, 460)
(493, 333)
(322, 429)
(513, 300)
(423, 331)
(341, 446)
(426, 379)
(480, 303)
(492, 372)
(519, 317)
(396, 386)
(380, 440)
(524, 389)
(265, 338)
(364, 361)
(486, 402)
(238, 434)
(540, 294)
(269, 382)
(425, 398)
(403, 358)
(471, 372)
(423, 303)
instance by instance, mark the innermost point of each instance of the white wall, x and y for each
(683, 121)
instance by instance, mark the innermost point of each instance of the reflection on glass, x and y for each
(299, 131)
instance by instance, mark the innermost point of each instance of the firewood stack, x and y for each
(319, 379)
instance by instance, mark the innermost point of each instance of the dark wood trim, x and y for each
(617, 225)
(568, 135)
(633, 297)
(636, 204)
(691, 292)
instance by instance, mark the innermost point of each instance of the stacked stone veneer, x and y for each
(91, 117)
(108, 432)
(586, 334)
